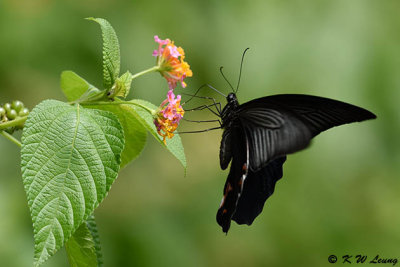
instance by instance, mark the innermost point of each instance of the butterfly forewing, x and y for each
(282, 124)
(318, 113)
(268, 141)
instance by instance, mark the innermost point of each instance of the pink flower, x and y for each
(170, 60)
(167, 119)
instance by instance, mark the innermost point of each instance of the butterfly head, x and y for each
(231, 98)
(233, 103)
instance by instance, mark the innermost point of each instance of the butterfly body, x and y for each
(256, 138)
(229, 112)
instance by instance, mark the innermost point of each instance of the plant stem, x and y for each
(151, 111)
(16, 122)
(155, 68)
(11, 138)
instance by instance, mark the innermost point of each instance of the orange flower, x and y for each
(169, 115)
(170, 62)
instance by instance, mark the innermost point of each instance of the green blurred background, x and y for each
(340, 196)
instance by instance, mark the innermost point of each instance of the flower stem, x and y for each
(155, 68)
(102, 103)
(16, 122)
(11, 138)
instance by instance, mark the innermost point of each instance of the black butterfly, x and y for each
(257, 137)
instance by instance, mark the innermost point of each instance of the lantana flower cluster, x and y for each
(171, 112)
(171, 65)
(170, 62)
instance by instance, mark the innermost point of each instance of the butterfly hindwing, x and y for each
(234, 183)
(245, 191)
(257, 188)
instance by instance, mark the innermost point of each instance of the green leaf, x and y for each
(75, 87)
(135, 133)
(123, 85)
(70, 156)
(111, 54)
(81, 249)
(174, 145)
(92, 226)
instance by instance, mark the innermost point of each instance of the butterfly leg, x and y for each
(200, 131)
(201, 121)
(202, 107)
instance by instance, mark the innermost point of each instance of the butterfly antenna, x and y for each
(240, 71)
(220, 70)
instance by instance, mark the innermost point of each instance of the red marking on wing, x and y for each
(244, 168)
(227, 190)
